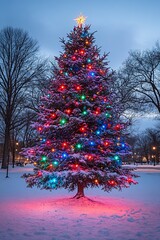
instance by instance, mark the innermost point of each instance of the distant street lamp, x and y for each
(154, 157)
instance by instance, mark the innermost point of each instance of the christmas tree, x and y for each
(81, 141)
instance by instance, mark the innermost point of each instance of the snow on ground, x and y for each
(133, 214)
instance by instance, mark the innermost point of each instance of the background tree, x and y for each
(147, 146)
(81, 134)
(19, 69)
(138, 80)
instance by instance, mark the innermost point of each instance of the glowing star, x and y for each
(80, 20)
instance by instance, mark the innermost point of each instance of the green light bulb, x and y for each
(55, 163)
(83, 97)
(108, 115)
(116, 158)
(63, 121)
(44, 158)
(79, 146)
(84, 112)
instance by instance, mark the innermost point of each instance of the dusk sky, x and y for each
(121, 25)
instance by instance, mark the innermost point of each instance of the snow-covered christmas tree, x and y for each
(81, 140)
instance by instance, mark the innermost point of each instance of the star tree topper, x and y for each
(80, 20)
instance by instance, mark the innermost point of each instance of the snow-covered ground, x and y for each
(133, 214)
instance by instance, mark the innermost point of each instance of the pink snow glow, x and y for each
(132, 214)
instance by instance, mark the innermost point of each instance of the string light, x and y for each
(68, 111)
(63, 121)
(64, 144)
(106, 143)
(129, 180)
(84, 112)
(89, 67)
(92, 143)
(91, 74)
(82, 52)
(73, 58)
(78, 87)
(98, 132)
(78, 146)
(55, 163)
(66, 74)
(64, 155)
(108, 115)
(54, 180)
(83, 129)
(96, 181)
(112, 182)
(117, 127)
(53, 115)
(89, 157)
(116, 157)
(62, 88)
(88, 60)
(87, 42)
(83, 97)
(44, 158)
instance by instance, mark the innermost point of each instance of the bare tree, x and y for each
(19, 69)
(139, 80)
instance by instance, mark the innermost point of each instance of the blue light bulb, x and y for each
(88, 60)
(91, 74)
(54, 180)
(98, 132)
(64, 155)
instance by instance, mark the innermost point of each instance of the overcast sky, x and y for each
(121, 25)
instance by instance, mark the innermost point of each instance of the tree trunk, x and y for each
(6, 148)
(13, 148)
(13, 155)
(80, 191)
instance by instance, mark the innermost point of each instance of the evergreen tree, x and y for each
(81, 140)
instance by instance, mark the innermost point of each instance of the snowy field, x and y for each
(133, 214)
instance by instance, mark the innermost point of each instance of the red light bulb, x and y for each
(73, 58)
(78, 88)
(90, 157)
(62, 87)
(64, 144)
(53, 115)
(117, 127)
(111, 182)
(106, 144)
(82, 52)
(129, 180)
(68, 111)
(89, 66)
